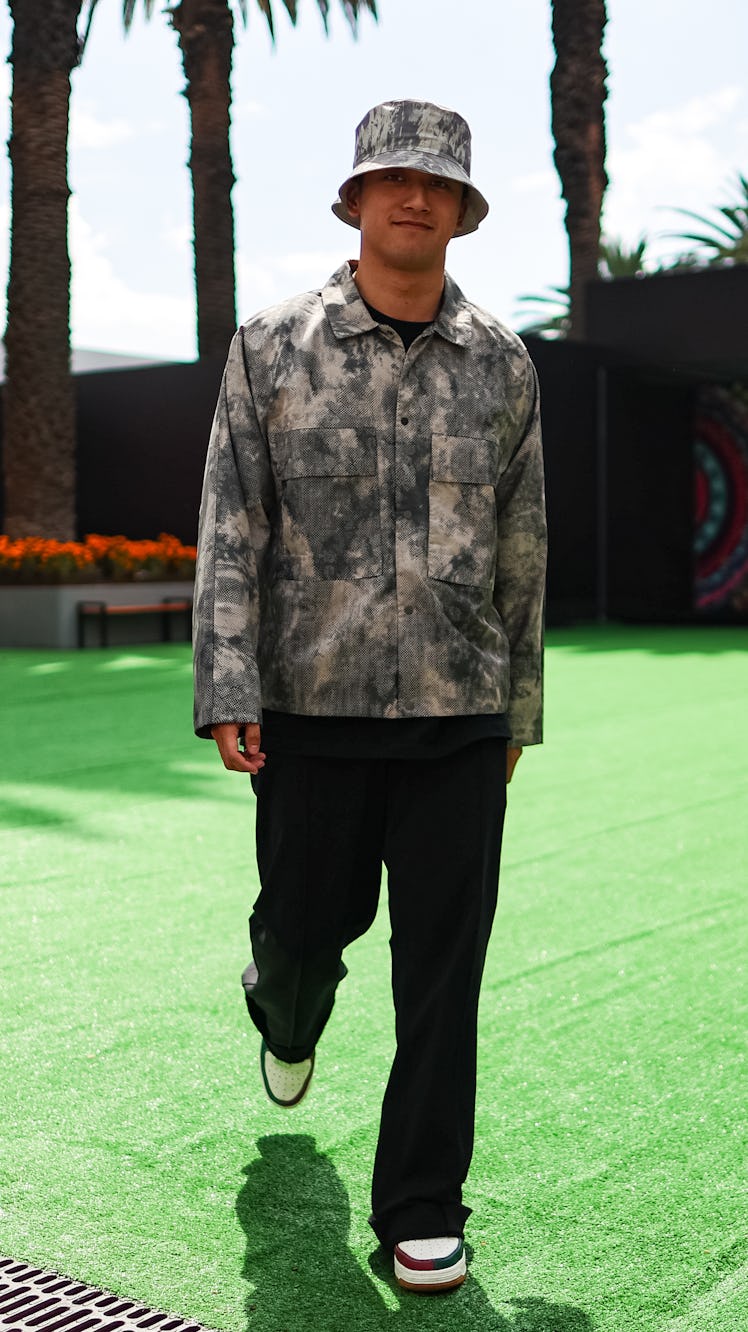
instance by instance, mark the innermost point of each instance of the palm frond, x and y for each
(351, 8)
(129, 7)
(618, 261)
(699, 237)
(556, 327)
(552, 317)
(558, 299)
(82, 41)
(706, 239)
(266, 8)
(725, 239)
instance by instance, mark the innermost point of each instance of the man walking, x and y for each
(368, 646)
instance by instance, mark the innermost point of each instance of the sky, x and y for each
(677, 133)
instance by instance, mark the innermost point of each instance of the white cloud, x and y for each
(535, 182)
(268, 278)
(108, 314)
(178, 236)
(249, 108)
(87, 130)
(671, 160)
(698, 114)
(319, 262)
(257, 287)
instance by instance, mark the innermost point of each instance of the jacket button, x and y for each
(404, 420)
(408, 610)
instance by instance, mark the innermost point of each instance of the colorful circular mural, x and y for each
(721, 500)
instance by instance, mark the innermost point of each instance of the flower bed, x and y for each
(96, 559)
(41, 583)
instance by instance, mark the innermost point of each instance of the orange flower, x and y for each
(96, 558)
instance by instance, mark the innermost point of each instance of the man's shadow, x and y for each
(295, 1213)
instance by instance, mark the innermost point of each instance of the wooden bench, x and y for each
(101, 611)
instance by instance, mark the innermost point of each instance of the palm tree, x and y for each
(39, 407)
(206, 39)
(578, 95)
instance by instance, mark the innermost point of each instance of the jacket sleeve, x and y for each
(519, 587)
(235, 515)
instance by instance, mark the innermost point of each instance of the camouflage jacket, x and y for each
(372, 528)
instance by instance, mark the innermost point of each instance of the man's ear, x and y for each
(353, 198)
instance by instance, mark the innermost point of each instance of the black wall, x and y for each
(647, 518)
(660, 338)
(142, 436)
(697, 321)
(567, 373)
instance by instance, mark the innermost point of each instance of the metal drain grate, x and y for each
(32, 1300)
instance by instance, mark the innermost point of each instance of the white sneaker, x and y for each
(285, 1084)
(428, 1265)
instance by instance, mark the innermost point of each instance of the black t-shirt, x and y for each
(378, 737)
(407, 329)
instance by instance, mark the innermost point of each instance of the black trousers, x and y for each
(324, 828)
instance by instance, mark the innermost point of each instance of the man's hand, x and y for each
(513, 756)
(239, 746)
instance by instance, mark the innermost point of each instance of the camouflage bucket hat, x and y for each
(423, 137)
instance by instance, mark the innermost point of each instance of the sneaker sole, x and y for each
(430, 1282)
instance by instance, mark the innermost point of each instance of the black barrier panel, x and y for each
(142, 436)
(649, 520)
(689, 320)
(567, 372)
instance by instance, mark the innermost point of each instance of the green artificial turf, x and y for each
(137, 1150)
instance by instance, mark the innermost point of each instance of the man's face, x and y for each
(407, 217)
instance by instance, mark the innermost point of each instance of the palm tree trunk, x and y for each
(39, 404)
(206, 39)
(578, 122)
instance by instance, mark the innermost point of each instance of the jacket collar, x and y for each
(348, 315)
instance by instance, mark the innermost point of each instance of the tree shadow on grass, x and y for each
(295, 1213)
(660, 639)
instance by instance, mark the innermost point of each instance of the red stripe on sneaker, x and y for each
(415, 1264)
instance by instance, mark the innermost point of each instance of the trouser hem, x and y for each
(423, 1220)
(289, 1054)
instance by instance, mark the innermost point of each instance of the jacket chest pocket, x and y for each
(462, 511)
(329, 504)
